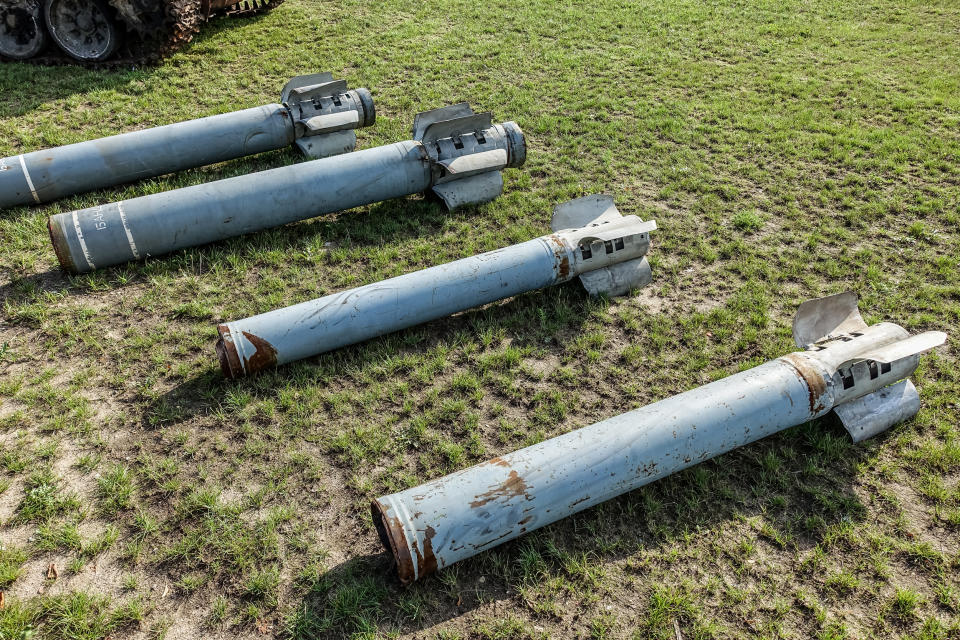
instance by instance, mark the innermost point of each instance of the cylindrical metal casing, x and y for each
(163, 222)
(352, 316)
(438, 523)
(42, 176)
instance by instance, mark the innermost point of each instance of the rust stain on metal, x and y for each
(426, 559)
(512, 487)
(560, 252)
(60, 247)
(227, 353)
(393, 539)
(500, 462)
(814, 381)
(648, 469)
(264, 356)
(422, 150)
(428, 563)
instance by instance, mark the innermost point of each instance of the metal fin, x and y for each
(328, 144)
(476, 189)
(821, 317)
(484, 161)
(911, 346)
(618, 279)
(592, 209)
(876, 412)
(425, 118)
(303, 81)
(324, 89)
(457, 126)
(325, 123)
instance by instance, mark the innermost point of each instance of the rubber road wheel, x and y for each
(85, 29)
(22, 34)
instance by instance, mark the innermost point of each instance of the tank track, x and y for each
(152, 34)
(251, 7)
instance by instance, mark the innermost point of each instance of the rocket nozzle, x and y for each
(516, 144)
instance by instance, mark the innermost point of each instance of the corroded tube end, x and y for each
(60, 246)
(227, 352)
(394, 541)
(517, 144)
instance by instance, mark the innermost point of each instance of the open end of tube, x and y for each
(517, 150)
(369, 110)
(227, 352)
(60, 247)
(394, 541)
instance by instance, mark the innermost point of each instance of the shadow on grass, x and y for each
(793, 489)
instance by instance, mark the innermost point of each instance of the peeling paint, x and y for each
(264, 357)
(622, 453)
(512, 487)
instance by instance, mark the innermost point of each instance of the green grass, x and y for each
(75, 616)
(786, 150)
(11, 565)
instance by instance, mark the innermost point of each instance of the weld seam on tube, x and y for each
(26, 174)
(126, 228)
(83, 244)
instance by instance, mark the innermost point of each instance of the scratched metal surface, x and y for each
(436, 524)
(105, 162)
(347, 317)
(457, 516)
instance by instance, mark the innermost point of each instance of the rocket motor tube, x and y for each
(160, 223)
(49, 174)
(462, 514)
(452, 518)
(43, 176)
(339, 319)
(348, 317)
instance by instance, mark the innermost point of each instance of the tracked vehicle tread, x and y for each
(153, 33)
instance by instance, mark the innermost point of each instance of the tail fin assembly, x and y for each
(864, 359)
(601, 232)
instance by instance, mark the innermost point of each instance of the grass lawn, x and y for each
(787, 151)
